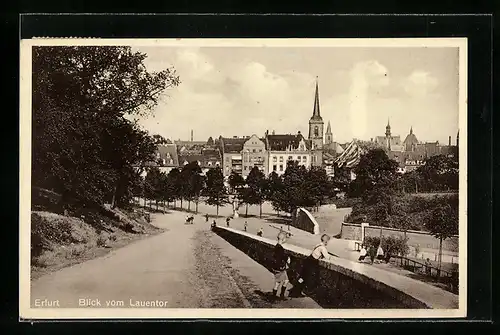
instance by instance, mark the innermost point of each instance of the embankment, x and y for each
(347, 284)
(58, 240)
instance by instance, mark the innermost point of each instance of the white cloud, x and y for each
(365, 77)
(224, 94)
(420, 83)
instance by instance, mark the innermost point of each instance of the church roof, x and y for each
(282, 142)
(410, 138)
(328, 128)
(316, 112)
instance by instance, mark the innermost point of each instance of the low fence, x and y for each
(303, 219)
(343, 283)
(418, 239)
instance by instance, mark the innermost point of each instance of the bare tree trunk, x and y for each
(189, 205)
(113, 200)
(440, 256)
(246, 211)
(217, 210)
(260, 210)
(181, 202)
(196, 206)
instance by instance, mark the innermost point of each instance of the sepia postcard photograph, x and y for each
(243, 178)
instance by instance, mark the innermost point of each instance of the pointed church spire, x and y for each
(328, 128)
(411, 130)
(316, 112)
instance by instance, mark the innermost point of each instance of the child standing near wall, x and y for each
(279, 267)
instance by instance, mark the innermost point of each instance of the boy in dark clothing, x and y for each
(280, 266)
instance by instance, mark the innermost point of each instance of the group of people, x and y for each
(307, 275)
(374, 254)
(190, 219)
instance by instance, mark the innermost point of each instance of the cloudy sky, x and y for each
(232, 91)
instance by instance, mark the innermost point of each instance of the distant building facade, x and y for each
(254, 153)
(231, 150)
(284, 148)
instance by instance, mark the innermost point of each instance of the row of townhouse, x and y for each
(238, 154)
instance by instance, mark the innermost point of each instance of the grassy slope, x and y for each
(59, 241)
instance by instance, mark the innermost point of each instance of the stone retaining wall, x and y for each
(340, 284)
(303, 219)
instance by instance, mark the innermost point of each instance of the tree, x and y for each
(192, 182)
(84, 144)
(375, 173)
(215, 189)
(295, 192)
(341, 178)
(274, 190)
(440, 173)
(442, 223)
(318, 185)
(155, 183)
(173, 182)
(236, 182)
(255, 192)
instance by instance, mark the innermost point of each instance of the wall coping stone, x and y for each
(398, 286)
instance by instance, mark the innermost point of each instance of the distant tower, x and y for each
(328, 134)
(316, 123)
(191, 135)
(457, 137)
(388, 134)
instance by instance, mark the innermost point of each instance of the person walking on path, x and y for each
(279, 267)
(310, 270)
(227, 221)
(206, 217)
(245, 226)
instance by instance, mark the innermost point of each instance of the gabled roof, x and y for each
(283, 142)
(233, 145)
(168, 152)
(208, 157)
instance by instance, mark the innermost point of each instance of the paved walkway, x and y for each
(187, 266)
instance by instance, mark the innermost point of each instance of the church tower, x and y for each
(316, 123)
(328, 134)
(388, 135)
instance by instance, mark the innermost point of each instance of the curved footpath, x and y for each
(187, 266)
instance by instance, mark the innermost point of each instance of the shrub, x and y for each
(101, 240)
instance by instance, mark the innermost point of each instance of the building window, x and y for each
(313, 159)
(281, 159)
(316, 131)
(275, 159)
(274, 167)
(304, 158)
(290, 158)
(253, 150)
(245, 168)
(281, 167)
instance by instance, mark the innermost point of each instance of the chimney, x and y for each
(449, 141)
(191, 135)
(371, 139)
